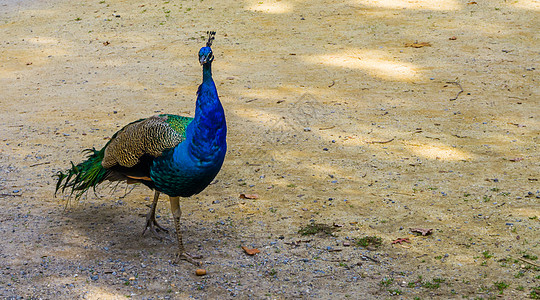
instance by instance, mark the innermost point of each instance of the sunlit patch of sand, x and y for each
(438, 151)
(375, 63)
(412, 4)
(526, 4)
(270, 7)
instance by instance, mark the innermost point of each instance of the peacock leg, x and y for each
(177, 213)
(151, 223)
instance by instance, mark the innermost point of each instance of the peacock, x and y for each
(175, 155)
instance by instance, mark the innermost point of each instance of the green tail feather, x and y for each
(80, 178)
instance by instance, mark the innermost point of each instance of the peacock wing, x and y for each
(150, 136)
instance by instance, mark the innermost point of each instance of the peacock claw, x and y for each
(189, 258)
(151, 222)
(153, 226)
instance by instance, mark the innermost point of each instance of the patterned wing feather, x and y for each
(178, 123)
(147, 136)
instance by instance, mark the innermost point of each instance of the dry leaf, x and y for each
(472, 2)
(418, 45)
(453, 38)
(401, 241)
(423, 231)
(249, 196)
(250, 251)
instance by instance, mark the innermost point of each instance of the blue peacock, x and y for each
(175, 155)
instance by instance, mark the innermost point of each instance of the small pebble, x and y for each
(200, 272)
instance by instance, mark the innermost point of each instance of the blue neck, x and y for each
(208, 129)
(207, 73)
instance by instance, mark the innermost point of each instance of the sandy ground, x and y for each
(333, 118)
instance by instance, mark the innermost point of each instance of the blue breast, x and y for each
(177, 173)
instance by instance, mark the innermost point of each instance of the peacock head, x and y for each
(205, 54)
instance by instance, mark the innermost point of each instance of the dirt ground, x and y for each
(371, 117)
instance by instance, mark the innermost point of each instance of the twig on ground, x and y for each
(365, 257)
(335, 250)
(296, 243)
(529, 262)
(321, 276)
(9, 195)
(380, 142)
(39, 164)
(461, 89)
(326, 128)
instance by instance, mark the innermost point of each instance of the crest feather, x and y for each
(211, 36)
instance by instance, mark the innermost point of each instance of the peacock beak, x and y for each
(206, 58)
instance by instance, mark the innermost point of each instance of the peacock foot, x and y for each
(188, 257)
(153, 226)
